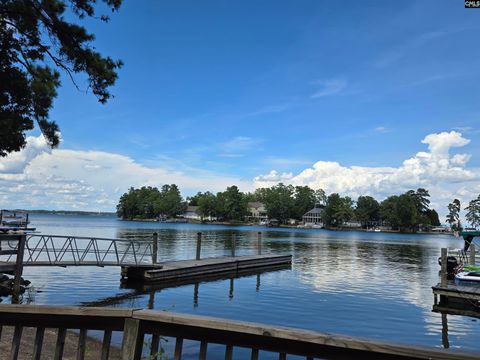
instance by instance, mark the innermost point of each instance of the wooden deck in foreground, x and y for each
(197, 269)
(144, 331)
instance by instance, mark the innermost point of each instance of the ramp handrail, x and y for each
(81, 250)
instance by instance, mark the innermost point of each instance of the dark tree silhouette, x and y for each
(36, 41)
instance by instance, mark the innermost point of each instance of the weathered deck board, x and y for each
(179, 270)
(459, 291)
(136, 324)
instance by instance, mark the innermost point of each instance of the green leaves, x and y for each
(148, 203)
(338, 210)
(473, 212)
(367, 210)
(35, 42)
(453, 217)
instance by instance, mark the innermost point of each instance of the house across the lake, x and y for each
(314, 216)
(191, 213)
(257, 211)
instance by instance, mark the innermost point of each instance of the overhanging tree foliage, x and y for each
(36, 41)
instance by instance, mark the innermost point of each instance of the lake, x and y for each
(374, 285)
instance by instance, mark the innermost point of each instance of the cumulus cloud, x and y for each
(445, 175)
(16, 162)
(38, 177)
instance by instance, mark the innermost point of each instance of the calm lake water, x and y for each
(373, 285)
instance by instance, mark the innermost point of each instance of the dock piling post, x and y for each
(154, 248)
(18, 269)
(259, 243)
(234, 244)
(199, 245)
(472, 254)
(443, 271)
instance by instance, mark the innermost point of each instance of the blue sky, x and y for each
(240, 88)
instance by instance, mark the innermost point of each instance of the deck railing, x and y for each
(138, 325)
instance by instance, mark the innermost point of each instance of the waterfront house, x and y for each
(257, 212)
(314, 216)
(191, 213)
(352, 224)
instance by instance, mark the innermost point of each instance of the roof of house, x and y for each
(191, 208)
(255, 204)
(315, 210)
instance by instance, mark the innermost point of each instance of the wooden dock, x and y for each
(138, 260)
(448, 293)
(202, 268)
(452, 290)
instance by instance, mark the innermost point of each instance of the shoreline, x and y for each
(227, 223)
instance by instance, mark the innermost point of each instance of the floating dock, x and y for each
(197, 269)
(456, 292)
(450, 294)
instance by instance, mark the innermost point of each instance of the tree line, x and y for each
(472, 216)
(405, 212)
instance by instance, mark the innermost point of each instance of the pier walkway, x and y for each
(137, 258)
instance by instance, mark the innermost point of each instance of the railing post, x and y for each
(199, 245)
(132, 340)
(234, 244)
(259, 243)
(443, 271)
(472, 254)
(154, 248)
(18, 269)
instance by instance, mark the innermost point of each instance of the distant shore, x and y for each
(228, 223)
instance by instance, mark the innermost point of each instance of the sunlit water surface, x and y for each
(373, 285)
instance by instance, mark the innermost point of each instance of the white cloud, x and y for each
(445, 175)
(330, 87)
(17, 161)
(38, 177)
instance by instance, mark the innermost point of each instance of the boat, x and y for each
(468, 276)
(14, 221)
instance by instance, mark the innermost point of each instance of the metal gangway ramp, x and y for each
(57, 250)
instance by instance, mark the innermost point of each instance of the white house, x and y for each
(314, 216)
(257, 211)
